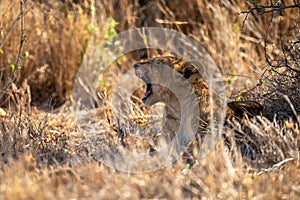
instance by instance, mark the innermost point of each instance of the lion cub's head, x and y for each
(153, 73)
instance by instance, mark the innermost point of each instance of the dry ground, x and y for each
(43, 154)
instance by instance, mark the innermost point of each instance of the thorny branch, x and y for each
(262, 9)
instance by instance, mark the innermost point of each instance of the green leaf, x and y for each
(236, 27)
(187, 166)
(90, 29)
(13, 67)
(260, 7)
(110, 29)
(26, 54)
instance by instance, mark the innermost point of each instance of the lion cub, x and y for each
(152, 72)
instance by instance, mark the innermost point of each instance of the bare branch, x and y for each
(262, 9)
(20, 51)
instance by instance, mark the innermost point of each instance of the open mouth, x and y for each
(148, 91)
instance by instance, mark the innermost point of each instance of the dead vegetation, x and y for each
(43, 154)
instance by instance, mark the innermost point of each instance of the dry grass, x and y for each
(43, 154)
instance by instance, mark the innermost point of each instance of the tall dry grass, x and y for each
(57, 37)
(44, 156)
(58, 34)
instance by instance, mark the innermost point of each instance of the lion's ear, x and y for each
(187, 70)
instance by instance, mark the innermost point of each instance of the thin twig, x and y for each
(277, 165)
(2, 42)
(265, 40)
(292, 107)
(17, 62)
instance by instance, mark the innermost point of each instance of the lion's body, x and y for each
(152, 73)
